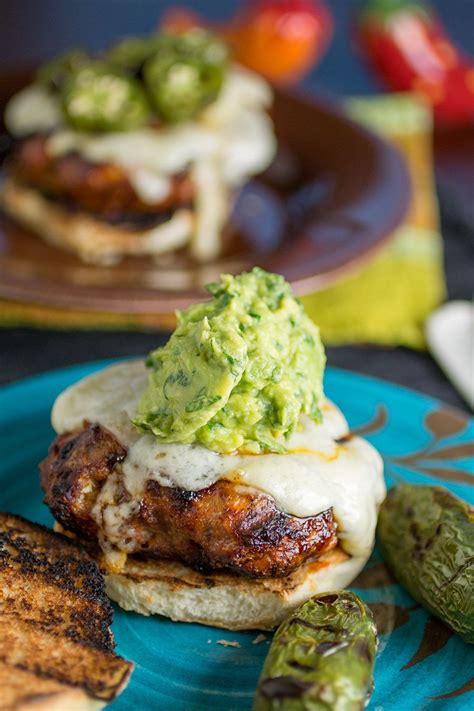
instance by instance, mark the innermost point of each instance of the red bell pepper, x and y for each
(411, 51)
(281, 39)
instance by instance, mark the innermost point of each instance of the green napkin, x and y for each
(388, 301)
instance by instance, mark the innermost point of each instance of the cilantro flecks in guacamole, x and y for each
(238, 370)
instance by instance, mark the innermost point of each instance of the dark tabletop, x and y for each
(25, 351)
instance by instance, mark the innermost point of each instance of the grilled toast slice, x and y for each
(56, 646)
(27, 691)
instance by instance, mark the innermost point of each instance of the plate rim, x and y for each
(362, 379)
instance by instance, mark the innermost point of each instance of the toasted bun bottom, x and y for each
(93, 240)
(222, 599)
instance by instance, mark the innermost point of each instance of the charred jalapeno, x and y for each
(322, 657)
(180, 88)
(55, 73)
(185, 74)
(97, 98)
(427, 539)
(199, 43)
(130, 54)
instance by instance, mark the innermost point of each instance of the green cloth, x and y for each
(388, 301)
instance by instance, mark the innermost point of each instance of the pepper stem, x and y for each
(385, 9)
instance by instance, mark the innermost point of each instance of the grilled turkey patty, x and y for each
(224, 526)
(103, 189)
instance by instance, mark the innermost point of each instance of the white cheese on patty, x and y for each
(33, 110)
(316, 474)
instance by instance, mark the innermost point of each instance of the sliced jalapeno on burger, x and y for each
(54, 73)
(98, 98)
(180, 87)
(130, 54)
(200, 43)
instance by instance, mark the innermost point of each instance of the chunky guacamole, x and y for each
(238, 370)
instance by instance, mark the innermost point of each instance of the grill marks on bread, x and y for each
(55, 636)
(225, 526)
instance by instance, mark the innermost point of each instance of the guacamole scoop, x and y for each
(238, 370)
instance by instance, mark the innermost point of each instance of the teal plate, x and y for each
(420, 663)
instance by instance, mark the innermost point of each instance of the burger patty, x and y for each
(224, 526)
(103, 189)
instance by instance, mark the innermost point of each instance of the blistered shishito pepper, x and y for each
(411, 51)
(321, 658)
(96, 98)
(427, 539)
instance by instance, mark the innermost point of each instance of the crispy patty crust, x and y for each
(224, 526)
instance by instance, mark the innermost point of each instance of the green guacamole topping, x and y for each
(238, 370)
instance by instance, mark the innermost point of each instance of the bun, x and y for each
(223, 599)
(93, 241)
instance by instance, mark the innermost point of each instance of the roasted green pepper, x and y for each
(130, 54)
(201, 44)
(97, 98)
(185, 73)
(180, 88)
(427, 539)
(58, 70)
(322, 657)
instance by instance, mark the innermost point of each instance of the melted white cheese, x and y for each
(149, 186)
(32, 110)
(235, 127)
(317, 473)
(212, 207)
(162, 151)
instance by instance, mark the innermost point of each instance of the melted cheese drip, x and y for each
(212, 207)
(149, 186)
(32, 110)
(316, 474)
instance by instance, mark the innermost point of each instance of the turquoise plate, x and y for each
(420, 664)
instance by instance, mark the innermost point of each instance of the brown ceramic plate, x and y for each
(331, 199)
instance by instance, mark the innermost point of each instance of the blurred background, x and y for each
(33, 31)
(391, 342)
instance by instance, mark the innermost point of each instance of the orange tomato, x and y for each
(281, 39)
